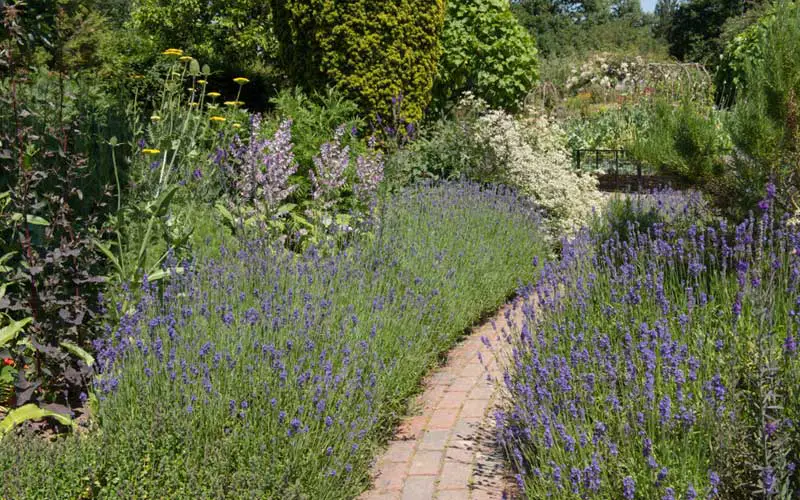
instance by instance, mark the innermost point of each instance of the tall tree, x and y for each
(664, 12)
(697, 24)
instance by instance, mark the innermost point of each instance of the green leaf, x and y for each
(79, 352)
(301, 220)
(29, 412)
(162, 273)
(285, 209)
(106, 250)
(37, 221)
(10, 332)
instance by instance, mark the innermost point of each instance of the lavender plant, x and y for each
(663, 365)
(265, 372)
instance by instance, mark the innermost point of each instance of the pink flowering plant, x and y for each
(268, 191)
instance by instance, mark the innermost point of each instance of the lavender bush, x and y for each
(662, 366)
(267, 373)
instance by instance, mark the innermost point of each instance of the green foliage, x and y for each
(570, 29)
(231, 35)
(27, 413)
(685, 140)
(610, 128)
(165, 153)
(315, 118)
(374, 52)
(743, 40)
(694, 33)
(764, 121)
(486, 52)
(445, 149)
(48, 269)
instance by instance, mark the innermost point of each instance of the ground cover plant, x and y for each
(662, 365)
(264, 372)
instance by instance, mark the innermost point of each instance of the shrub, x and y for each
(530, 155)
(486, 52)
(373, 51)
(764, 121)
(49, 273)
(687, 140)
(446, 149)
(315, 118)
(663, 366)
(264, 373)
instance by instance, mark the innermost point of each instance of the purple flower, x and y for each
(771, 190)
(790, 344)
(713, 479)
(768, 478)
(628, 488)
(328, 175)
(664, 410)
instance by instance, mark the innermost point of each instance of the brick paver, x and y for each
(444, 449)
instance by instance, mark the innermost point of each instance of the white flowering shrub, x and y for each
(529, 154)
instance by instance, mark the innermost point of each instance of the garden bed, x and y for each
(264, 372)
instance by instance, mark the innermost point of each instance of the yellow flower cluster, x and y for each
(217, 118)
(173, 52)
(151, 151)
(241, 80)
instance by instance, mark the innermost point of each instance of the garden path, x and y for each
(445, 448)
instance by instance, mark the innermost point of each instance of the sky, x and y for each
(648, 5)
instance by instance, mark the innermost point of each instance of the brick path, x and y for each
(445, 450)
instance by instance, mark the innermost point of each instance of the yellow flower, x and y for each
(149, 151)
(202, 82)
(173, 52)
(241, 80)
(236, 126)
(233, 103)
(155, 118)
(185, 58)
(217, 118)
(213, 94)
(193, 104)
(137, 77)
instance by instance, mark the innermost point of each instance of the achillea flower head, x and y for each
(213, 95)
(241, 80)
(151, 151)
(217, 118)
(173, 52)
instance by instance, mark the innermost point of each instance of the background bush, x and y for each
(486, 52)
(764, 121)
(686, 139)
(373, 52)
